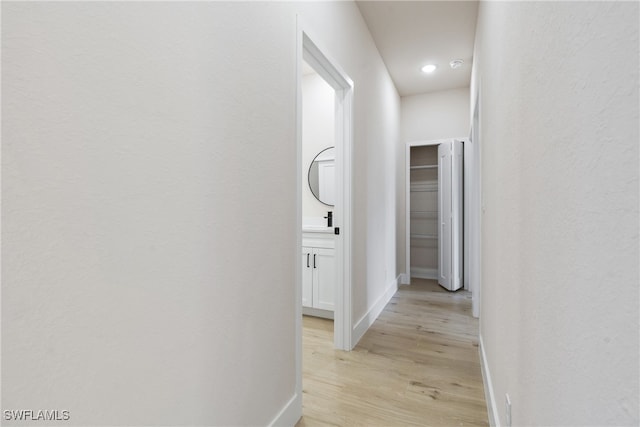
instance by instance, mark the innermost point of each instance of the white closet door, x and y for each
(457, 216)
(444, 215)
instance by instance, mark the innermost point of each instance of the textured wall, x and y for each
(149, 204)
(559, 123)
(435, 115)
(141, 284)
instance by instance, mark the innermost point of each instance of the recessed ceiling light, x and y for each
(456, 63)
(429, 68)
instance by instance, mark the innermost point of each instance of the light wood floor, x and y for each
(417, 365)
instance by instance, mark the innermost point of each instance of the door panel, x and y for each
(444, 215)
(324, 279)
(456, 215)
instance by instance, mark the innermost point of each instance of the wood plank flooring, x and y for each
(418, 365)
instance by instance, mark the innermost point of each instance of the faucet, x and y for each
(329, 219)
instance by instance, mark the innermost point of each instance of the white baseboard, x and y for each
(424, 273)
(405, 279)
(367, 320)
(492, 407)
(290, 414)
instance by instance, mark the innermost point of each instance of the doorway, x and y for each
(434, 211)
(319, 281)
(309, 51)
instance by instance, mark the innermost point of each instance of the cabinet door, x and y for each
(324, 278)
(307, 277)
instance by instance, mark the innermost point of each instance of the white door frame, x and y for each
(475, 210)
(307, 48)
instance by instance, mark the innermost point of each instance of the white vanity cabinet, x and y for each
(318, 274)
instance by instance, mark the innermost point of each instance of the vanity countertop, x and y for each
(316, 229)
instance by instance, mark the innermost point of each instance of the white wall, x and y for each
(425, 117)
(435, 115)
(559, 134)
(318, 133)
(148, 205)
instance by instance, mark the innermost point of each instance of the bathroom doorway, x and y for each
(319, 281)
(310, 53)
(324, 193)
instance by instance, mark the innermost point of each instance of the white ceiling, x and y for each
(410, 34)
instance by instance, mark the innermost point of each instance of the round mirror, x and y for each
(322, 180)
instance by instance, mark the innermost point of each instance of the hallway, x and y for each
(417, 365)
